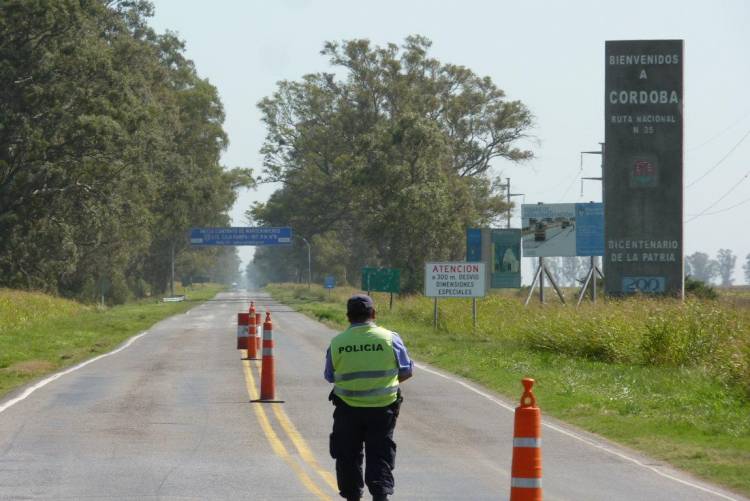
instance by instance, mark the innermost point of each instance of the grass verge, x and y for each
(663, 377)
(40, 334)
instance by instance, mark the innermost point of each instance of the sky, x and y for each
(547, 54)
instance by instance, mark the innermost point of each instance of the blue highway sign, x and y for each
(241, 236)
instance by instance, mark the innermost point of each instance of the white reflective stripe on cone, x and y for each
(267, 352)
(266, 334)
(526, 483)
(527, 442)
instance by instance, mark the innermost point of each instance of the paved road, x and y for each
(168, 417)
(556, 239)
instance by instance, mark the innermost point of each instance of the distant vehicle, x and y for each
(540, 232)
(532, 221)
(547, 220)
(565, 223)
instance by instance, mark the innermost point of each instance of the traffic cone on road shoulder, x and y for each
(526, 470)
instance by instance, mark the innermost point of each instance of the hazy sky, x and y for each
(548, 54)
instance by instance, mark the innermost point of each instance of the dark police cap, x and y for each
(359, 304)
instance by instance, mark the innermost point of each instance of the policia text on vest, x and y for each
(366, 363)
(362, 347)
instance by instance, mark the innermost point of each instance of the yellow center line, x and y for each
(276, 444)
(302, 447)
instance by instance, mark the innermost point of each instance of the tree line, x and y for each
(383, 161)
(720, 270)
(109, 152)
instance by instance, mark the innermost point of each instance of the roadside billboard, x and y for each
(500, 251)
(506, 259)
(454, 279)
(551, 230)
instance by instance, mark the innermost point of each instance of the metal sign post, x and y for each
(474, 312)
(434, 314)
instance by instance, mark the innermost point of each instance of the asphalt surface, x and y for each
(556, 238)
(169, 417)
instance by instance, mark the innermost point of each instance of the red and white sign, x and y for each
(459, 279)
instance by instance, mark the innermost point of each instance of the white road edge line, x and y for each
(44, 382)
(578, 437)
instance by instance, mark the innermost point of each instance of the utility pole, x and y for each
(309, 261)
(593, 270)
(599, 152)
(171, 282)
(507, 188)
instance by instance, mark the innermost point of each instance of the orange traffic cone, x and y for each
(267, 373)
(242, 320)
(258, 332)
(252, 332)
(526, 470)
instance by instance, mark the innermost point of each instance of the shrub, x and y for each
(699, 289)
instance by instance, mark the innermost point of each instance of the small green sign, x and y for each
(381, 279)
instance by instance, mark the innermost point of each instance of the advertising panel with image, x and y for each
(552, 230)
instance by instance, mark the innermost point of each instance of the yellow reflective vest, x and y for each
(365, 370)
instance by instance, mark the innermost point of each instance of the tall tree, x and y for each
(393, 161)
(701, 267)
(109, 148)
(746, 267)
(726, 261)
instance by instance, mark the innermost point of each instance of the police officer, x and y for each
(366, 363)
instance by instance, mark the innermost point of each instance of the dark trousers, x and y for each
(371, 427)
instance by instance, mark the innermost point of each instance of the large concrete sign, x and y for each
(643, 167)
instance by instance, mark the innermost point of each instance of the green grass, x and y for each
(668, 378)
(40, 334)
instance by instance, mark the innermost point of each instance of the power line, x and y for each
(734, 124)
(724, 209)
(572, 182)
(734, 187)
(722, 159)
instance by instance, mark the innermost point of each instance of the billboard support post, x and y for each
(590, 278)
(554, 285)
(542, 270)
(541, 280)
(531, 288)
(593, 283)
